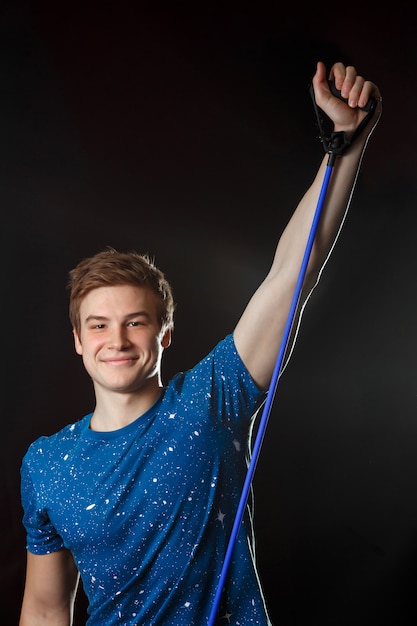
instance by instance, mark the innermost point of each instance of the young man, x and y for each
(140, 496)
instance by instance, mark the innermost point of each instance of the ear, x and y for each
(166, 338)
(77, 342)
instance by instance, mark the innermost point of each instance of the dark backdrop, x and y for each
(186, 130)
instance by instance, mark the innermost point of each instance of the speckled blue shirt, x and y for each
(147, 510)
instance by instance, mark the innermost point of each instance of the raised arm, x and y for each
(259, 331)
(51, 585)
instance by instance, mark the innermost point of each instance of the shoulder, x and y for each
(220, 372)
(45, 445)
(223, 352)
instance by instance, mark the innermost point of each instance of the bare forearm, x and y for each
(50, 590)
(292, 244)
(36, 616)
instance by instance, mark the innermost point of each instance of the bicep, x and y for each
(50, 587)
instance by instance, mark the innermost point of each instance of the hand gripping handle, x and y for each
(336, 143)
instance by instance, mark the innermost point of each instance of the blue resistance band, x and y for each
(270, 396)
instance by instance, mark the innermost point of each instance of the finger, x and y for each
(319, 78)
(320, 85)
(345, 80)
(337, 75)
(369, 90)
(353, 91)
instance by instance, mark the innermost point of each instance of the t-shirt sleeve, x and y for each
(221, 385)
(41, 536)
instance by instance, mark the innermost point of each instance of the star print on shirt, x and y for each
(220, 517)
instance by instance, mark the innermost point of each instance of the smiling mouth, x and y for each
(120, 360)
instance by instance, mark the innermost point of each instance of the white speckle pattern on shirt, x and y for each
(147, 510)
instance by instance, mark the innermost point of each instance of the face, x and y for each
(120, 340)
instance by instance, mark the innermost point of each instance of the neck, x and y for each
(117, 410)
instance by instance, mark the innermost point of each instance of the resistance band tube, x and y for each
(271, 393)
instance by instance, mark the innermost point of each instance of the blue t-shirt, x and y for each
(147, 510)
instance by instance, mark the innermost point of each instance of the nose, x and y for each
(118, 339)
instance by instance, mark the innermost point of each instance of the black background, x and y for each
(186, 130)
